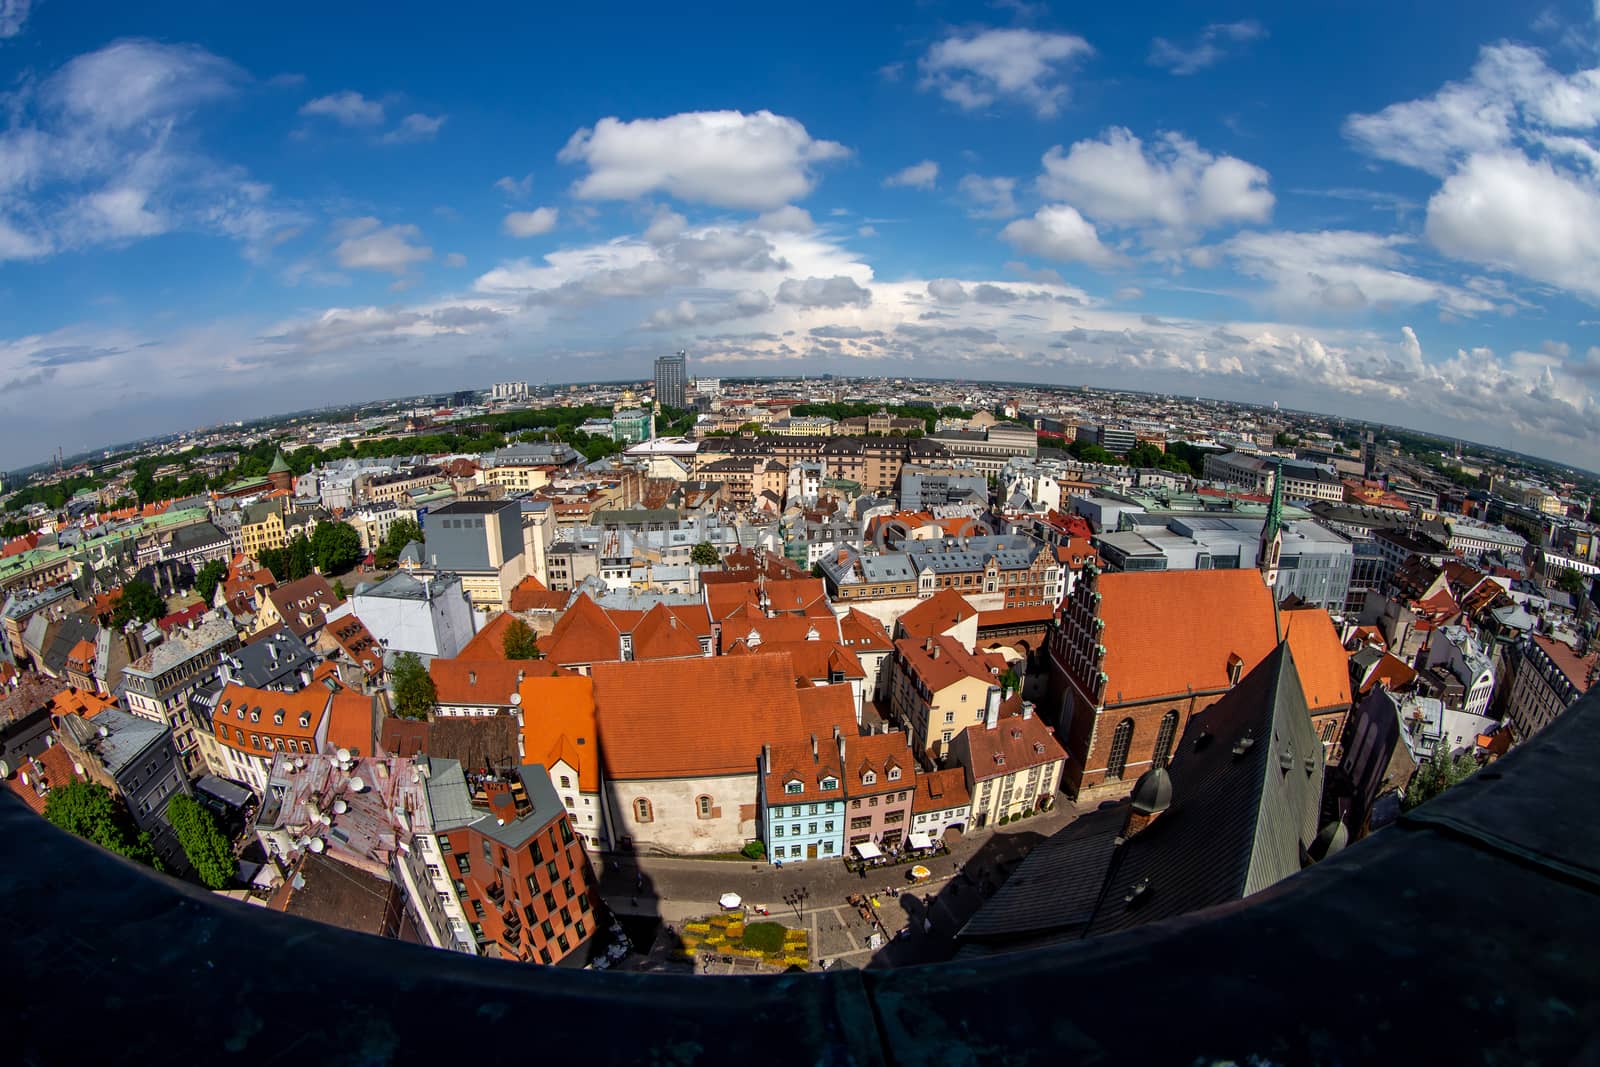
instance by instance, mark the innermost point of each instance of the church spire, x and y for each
(1272, 533)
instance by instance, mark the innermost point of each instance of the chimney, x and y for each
(813, 748)
(991, 709)
(472, 677)
(935, 651)
(766, 759)
(1027, 709)
(837, 736)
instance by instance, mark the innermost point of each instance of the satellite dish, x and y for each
(317, 844)
(340, 807)
(5, 769)
(24, 777)
(516, 699)
(356, 784)
(343, 755)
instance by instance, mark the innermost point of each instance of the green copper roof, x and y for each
(279, 465)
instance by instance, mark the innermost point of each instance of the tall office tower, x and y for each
(672, 378)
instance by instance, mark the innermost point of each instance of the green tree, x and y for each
(414, 693)
(88, 810)
(139, 601)
(339, 590)
(335, 546)
(295, 560)
(205, 583)
(704, 554)
(1570, 581)
(1438, 774)
(401, 534)
(519, 641)
(207, 847)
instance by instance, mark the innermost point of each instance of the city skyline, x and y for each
(209, 221)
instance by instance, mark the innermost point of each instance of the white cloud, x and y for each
(121, 213)
(727, 158)
(787, 219)
(1171, 183)
(530, 223)
(1128, 293)
(991, 198)
(13, 14)
(1507, 211)
(455, 259)
(866, 231)
(664, 226)
(516, 188)
(347, 108)
(413, 128)
(132, 81)
(1213, 45)
(922, 175)
(367, 244)
(974, 70)
(836, 292)
(947, 291)
(1057, 231)
(1341, 271)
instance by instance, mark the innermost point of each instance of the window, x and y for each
(544, 955)
(477, 907)
(702, 804)
(435, 871)
(566, 887)
(869, 778)
(463, 864)
(566, 782)
(827, 846)
(565, 945)
(1169, 731)
(642, 811)
(533, 884)
(583, 901)
(830, 783)
(811, 828)
(856, 803)
(872, 802)
(794, 787)
(1119, 749)
(894, 774)
(535, 852)
(777, 831)
(827, 827)
(488, 853)
(547, 930)
(444, 844)
(949, 716)
(570, 804)
(550, 869)
(566, 832)
(861, 823)
(582, 930)
(794, 829)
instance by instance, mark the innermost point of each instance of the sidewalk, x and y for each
(679, 889)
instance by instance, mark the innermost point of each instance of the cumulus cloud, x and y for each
(516, 188)
(530, 223)
(1507, 211)
(1171, 183)
(725, 248)
(989, 198)
(947, 291)
(1059, 232)
(1215, 43)
(347, 108)
(727, 158)
(975, 70)
(786, 219)
(367, 244)
(455, 259)
(922, 175)
(708, 310)
(836, 292)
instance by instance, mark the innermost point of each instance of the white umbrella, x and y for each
(730, 900)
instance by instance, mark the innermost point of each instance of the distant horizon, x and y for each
(145, 442)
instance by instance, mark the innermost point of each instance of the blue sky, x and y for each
(1384, 210)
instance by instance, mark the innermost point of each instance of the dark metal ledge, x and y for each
(1462, 936)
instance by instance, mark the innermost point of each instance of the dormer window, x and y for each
(277, 717)
(305, 719)
(255, 714)
(793, 786)
(894, 774)
(830, 783)
(869, 778)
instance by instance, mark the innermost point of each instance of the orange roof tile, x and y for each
(585, 633)
(1580, 670)
(806, 596)
(485, 682)
(1019, 742)
(532, 595)
(559, 723)
(649, 730)
(242, 711)
(808, 762)
(823, 707)
(1323, 664)
(879, 753)
(661, 634)
(939, 790)
(44, 772)
(1392, 671)
(1169, 631)
(943, 610)
(726, 599)
(1039, 614)
(941, 662)
(489, 642)
(353, 722)
(862, 632)
(75, 701)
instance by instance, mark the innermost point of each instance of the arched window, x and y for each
(1164, 739)
(642, 810)
(1119, 749)
(702, 804)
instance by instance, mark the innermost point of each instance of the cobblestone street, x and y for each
(915, 925)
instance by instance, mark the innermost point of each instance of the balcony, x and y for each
(496, 892)
(1471, 913)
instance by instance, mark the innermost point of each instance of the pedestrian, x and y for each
(636, 900)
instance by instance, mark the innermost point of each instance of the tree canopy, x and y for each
(205, 583)
(207, 847)
(519, 641)
(414, 692)
(1438, 774)
(290, 563)
(401, 533)
(139, 602)
(335, 546)
(704, 554)
(88, 810)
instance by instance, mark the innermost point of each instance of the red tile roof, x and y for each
(353, 722)
(808, 762)
(237, 703)
(943, 610)
(168, 623)
(531, 594)
(1579, 670)
(484, 682)
(1392, 671)
(862, 632)
(1039, 614)
(650, 727)
(51, 768)
(939, 790)
(1021, 743)
(941, 662)
(304, 603)
(801, 596)
(1323, 664)
(823, 707)
(357, 642)
(403, 737)
(1169, 631)
(880, 754)
(664, 634)
(489, 642)
(584, 634)
(75, 701)
(559, 724)
(18, 545)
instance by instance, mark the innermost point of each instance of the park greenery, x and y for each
(207, 847)
(89, 810)
(401, 533)
(414, 692)
(519, 641)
